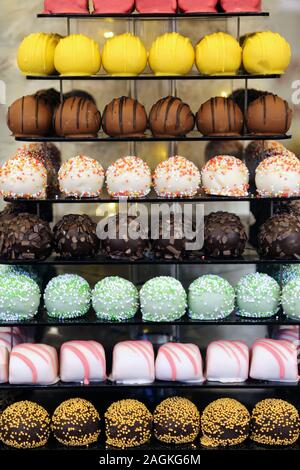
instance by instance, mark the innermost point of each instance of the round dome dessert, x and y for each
(224, 235)
(128, 177)
(77, 55)
(290, 272)
(77, 117)
(171, 54)
(30, 116)
(258, 296)
(76, 422)
(176, 177)
(116, 241)
(269, 115)
(278, 176)
(36, 54)
(224, 147)
(210, 297)
(23, 176)
(279, 237)
(290, 298)
(75, 237)
(219, 116)
(274, 422)
(115, 298)
(67, 296)
(124, 54)
(124, 117)
(81, 176)
(25, 237)
(237, 6)
(66, 6)
(25, 425)
(163, 299)
(225, 176)
(266, 53)
(218, 54)
(170, 117)
(128, 423)
(19, 297)
(257, 151)
(176, 421)
(224, 422)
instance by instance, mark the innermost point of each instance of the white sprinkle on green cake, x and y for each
(19, 297)
(258, 296)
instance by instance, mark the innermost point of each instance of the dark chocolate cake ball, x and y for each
(124, 117)
(75, 237)
(119, 244)
(269, 115)
(257, 151)
(224, 147)
(25, 425)
(274, 422)
(170, 117)
(128, 423)
(279, 237)
(224, 235)
(25, 237)
(219, 116)
(77, 117)
(76, 422)
(224, 422)
(172, 242)
(30, 116)
(176, 421)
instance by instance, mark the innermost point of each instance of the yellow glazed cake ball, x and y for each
(218, 54)
(171, 54)
(124, 55)
(266, 53)
(36, 54)
(77, 55)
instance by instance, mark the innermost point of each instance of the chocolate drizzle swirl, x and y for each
(170, 117)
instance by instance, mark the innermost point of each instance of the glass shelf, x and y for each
(154, 16)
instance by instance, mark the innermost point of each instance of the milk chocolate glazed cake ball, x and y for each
(25, 425)
(124, 117)
(269, 115)
(279, 237)
(30, 116)
(170, 117)
(224, 235)
(77, 117)
(75, 236)
(219, 116)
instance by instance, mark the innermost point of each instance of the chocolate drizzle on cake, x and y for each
(219, 116)
(269, 115)
(77, 116)
(170, 117)
(124, 116)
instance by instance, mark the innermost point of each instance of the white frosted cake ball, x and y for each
(210, 297)
(257, 296)
(279, 176)
(23, 176)
(81, 176)
(19, 297)
(290, 298)
(128, 177)
(163, 298)
(176, 177)
(67, 296)
(225, 176)
(115, 298)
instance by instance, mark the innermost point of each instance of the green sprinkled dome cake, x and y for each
(291, 298)
(19, 297)
(258, 296)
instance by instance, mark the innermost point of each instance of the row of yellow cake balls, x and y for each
(170, 54)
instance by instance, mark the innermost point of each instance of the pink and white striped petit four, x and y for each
(133, 363)
(179, 362)
(274, 360)
(4, 360)
(82, 361)
(33, 364)
(227, 361)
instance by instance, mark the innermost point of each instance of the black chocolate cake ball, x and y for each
(176, 421)
(128, 423)
(224, 235)
(274, 422)
(122, 245)
(25, 425)
(279, 237)
(124, 117)
(224, 147)
(76, 422)
(25, 237)
(171, 117)
(224, 422)
(75, 236)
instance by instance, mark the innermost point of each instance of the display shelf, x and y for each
(193, 137)
(153, 16)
